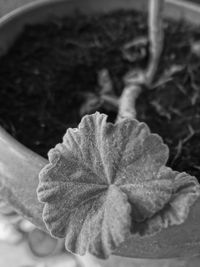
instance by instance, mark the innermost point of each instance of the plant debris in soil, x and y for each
(47, 74)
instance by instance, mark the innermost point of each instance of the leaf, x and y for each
(185, 192)
(106, 180)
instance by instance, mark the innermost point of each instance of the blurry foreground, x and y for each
(22, 245)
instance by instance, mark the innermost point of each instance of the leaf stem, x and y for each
(155, 22)
(134, 84)
(127, 102)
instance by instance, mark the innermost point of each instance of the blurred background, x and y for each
(23, 245)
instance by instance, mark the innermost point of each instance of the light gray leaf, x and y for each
(107, 179)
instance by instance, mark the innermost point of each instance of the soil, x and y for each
(47, 74)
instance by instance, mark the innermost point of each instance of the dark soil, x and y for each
(47, 73)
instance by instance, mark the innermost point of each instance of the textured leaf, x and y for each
(106, 180)
(185, 192)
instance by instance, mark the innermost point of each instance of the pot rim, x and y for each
(183, 5)
(163, 244)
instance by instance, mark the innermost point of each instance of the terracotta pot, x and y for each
(19, 167)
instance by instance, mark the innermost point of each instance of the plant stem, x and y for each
(127, 102)
(134, 84)
(155, 23)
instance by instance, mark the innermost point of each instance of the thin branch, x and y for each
(139, 78)
(127, 102)
(156, 37)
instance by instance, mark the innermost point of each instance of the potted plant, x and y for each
(19, 178)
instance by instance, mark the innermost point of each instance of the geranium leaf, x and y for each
(185, 192)
(106, 180)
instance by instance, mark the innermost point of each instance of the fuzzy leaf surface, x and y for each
(106, 181)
